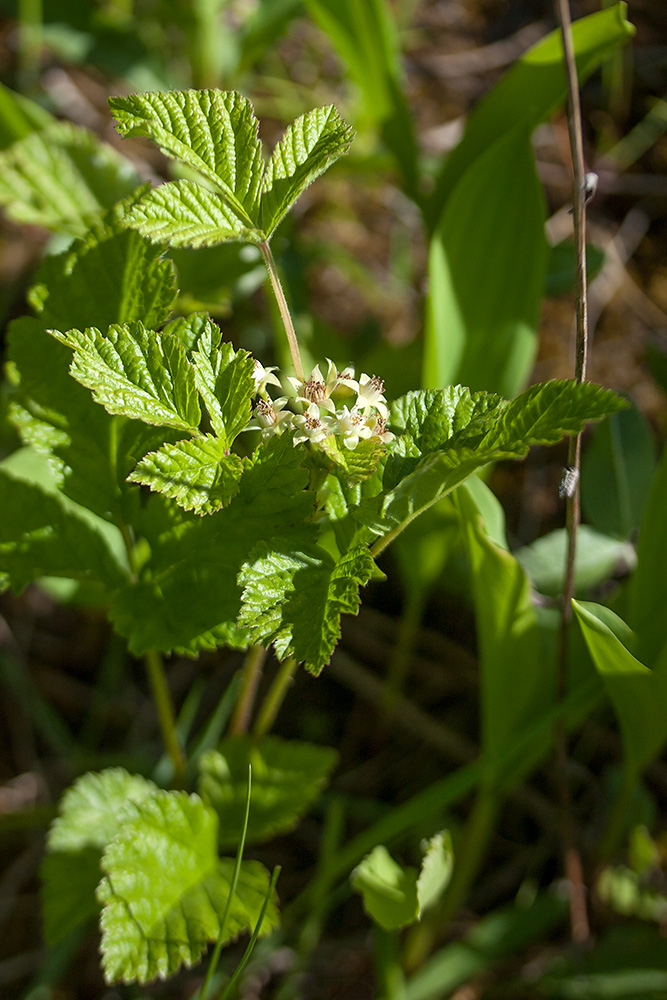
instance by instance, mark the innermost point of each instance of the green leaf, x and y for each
(213, 131)
(389, 892)
(19, 116)
(91, 813)
(617, 469)
(185, 214)
(309, 146)
(353, 464)
(489, 340)
(225, 382)
(648, 587)
(62, 178)
(529, 92)
(598, 558)
(287, 778)
(135, 372)
(187, 596)
(436, 870)
(198, 474)
(294, 596)
(165, 890)
(639, 695)
(435, 418)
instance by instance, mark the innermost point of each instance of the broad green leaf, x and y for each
(224, 378)
(639, 695)
(598, 558)
(366, 38)
(529, 92)
(62, 178)
(389, 892)
(165, 890)
(294, 596)
(19, 116)
(91, 813)
(353, 464)
(488, 341)
(187, 596)
(213, 131)
(436, 870)
(135, 372)
(198, 474)
(617, 469)
(310, 145)
(287, 778)
(43, 533)
(185, 214)
(435, 417)
(648, 587)
(188, 329)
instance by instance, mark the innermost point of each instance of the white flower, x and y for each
(318, 389)
(263, 376)
(352, 425)
(376, 427)
(269, 415)
(310, 425)
(371, 390)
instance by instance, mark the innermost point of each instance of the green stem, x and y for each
(250, 675)
(274, 698)
(284, 309)
(165, 712)
(388, 964)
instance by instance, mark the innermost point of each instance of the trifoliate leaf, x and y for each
(91, 813)
(62, 178)
(213, 131)
(294, 596)
(188, 588)
(198, 474)
(135, 372)
(165, 890)
(185, 214)
(354, 464)
(389, 892)
(310, 145)
(287, 778)
(225, 382)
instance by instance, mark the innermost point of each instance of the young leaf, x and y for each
(294, 596)
(63, 178)
(353, 464)
(198, 474)
(287, 778)
(135, 372)
(165, 890)
(436, 870)
(213, 131)
(309, 146)
(91, 813)
(389, 892)
(225, 382)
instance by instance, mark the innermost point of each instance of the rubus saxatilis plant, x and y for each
(267, 498)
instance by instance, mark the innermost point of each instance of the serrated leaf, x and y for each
(354, 464)
(135, 372)
(224, 378)
(198, 474)
(188, 329)
(62, 178)
(435, 417)
(185, 214)
(287, 778)
(165, 890)
(310, 145)
(91, 813)
(389, 892)
(213, 131)
(188, 589)
(436, 870)
(294, 596)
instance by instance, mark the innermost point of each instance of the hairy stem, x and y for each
(579, 925)
(274, 698)
(284, 309)
(250, 675)
(165, 711)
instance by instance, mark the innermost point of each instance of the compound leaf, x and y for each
(287, 778)
(295, 594)
(165, 890)
(197, 473)
(309, 146)
(224, 378)
(213, 131)
(135, 372)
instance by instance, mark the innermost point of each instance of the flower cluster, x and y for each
(337, 404)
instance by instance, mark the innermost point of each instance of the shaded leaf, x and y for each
(198, 474)
(224, 378)
(389, 892)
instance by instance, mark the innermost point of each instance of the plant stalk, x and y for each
(165, 711)
(274, 698)
(579, 925)
(284, 309)
(250, 676)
